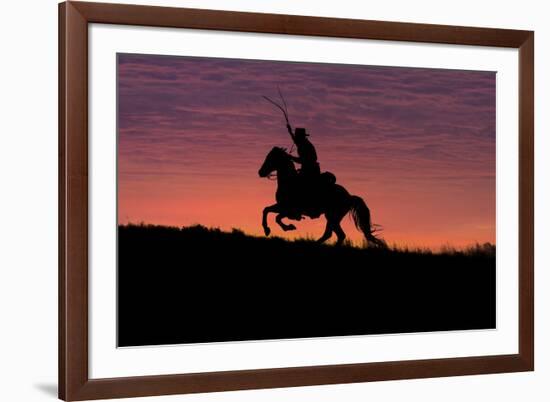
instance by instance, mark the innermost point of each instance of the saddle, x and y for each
(311, 192)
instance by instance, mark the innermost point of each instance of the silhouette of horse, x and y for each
(334, 201)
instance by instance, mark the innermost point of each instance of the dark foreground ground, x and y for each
(198, 285)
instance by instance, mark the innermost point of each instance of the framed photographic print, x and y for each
(258, 200)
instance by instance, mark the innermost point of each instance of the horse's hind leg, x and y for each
(341, 236)
(334, 223)
(284, 226)
(327, 234)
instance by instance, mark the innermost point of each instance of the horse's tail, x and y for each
(361, 217)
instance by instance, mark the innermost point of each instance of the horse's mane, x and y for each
(282, 153)
(279, 149)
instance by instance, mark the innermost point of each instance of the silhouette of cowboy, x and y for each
(307, 156)
(310, 185)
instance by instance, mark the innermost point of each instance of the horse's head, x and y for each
(273, 161)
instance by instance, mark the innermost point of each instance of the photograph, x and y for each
(272, 199)
(275, 201)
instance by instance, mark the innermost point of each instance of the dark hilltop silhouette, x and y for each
(189, 285)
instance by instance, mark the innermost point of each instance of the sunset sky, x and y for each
(417, 144)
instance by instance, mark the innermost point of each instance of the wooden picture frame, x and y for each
(74, 381)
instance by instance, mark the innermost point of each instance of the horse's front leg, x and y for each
(267, 210)
(284, 226)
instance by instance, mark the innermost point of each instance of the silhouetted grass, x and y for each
(191, 233)
(197, 284)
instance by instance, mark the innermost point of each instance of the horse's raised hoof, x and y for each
(289, 227)
(267, 230)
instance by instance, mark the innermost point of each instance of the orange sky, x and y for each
(417, 144)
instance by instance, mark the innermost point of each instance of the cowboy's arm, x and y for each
(289, 128)
(296, 159)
